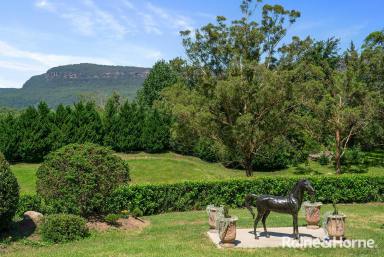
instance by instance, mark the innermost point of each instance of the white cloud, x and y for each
(24, 64)
(128, 4)
(47, 60)
(18, 66)
(174, 20)
(7, 83)
(105, 19)
(87, 20)
(157, 20)
(45, 4)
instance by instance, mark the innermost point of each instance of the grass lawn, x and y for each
(184, 234)
(26, 176)
(172, 168)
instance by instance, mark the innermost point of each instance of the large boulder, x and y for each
(34, 216)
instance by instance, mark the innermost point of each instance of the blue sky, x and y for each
(38, 34)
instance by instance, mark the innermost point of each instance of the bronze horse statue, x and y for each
(289, 204)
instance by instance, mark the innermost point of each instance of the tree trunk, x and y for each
(338, 152)
(248, 168)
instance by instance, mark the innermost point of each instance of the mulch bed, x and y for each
(124, 223)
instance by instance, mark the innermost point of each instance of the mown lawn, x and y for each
(26, 176)
(172, 168)
(184, 234)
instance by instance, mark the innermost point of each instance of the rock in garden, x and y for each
(35, 216)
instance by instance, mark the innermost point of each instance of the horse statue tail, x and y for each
(248, 200)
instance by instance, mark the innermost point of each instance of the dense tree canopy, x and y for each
(241, 97)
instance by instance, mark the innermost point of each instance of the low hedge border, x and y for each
(154, 199)
(160, 198)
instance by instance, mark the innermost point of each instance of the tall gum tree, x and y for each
(243, 96)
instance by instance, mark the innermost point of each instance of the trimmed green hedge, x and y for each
(154, 199)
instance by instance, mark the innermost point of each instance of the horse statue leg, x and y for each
(260, 214)
(295, 226)
(265, 216)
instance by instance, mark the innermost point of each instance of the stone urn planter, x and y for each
(226, 226)
(227, 231)
(212, 212)
(336, 226)
(312, 214)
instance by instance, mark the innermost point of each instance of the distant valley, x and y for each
(70, 83)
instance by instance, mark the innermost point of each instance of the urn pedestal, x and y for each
(227, 231)
(336, 226)
(312, 215)
(212, 215)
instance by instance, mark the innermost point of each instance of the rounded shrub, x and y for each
(137, 212)
(59, 228)
(205, 149)
(112, 219)
(79, 178)
(9, 193)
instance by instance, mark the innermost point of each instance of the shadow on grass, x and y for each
(18, 230)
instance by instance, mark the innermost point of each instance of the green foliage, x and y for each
(9, 137)
(276, 155)
(9, 193)
(130, 126)
(112, 218)
(154, 199)
(78, 178)
(160, 77)
(31, 203)
(137, 212)
(59, 228)
(323, 160)
(85, 124)
(124, 127)
(34, 130)
(155, 131)
(206, 150)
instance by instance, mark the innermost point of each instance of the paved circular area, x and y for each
(279, 237)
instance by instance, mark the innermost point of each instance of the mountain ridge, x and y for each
(69, 83)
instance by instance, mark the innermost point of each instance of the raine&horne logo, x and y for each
(334, 243)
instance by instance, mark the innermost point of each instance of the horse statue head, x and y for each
(306, 185)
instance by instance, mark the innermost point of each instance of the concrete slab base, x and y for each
(279, 237)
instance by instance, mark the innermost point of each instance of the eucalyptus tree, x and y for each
(372, 73)
(335, 102)
(216, 47)
(238, 99)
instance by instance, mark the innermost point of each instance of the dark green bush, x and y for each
(205, 150)
(77, 178)
(32, 203)
(58, 228)
(323, 160)
(29, 203)
(273, 156)
(111, 219)
(154, 199)
(9, 193)
(353, 156)
(155, 132)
